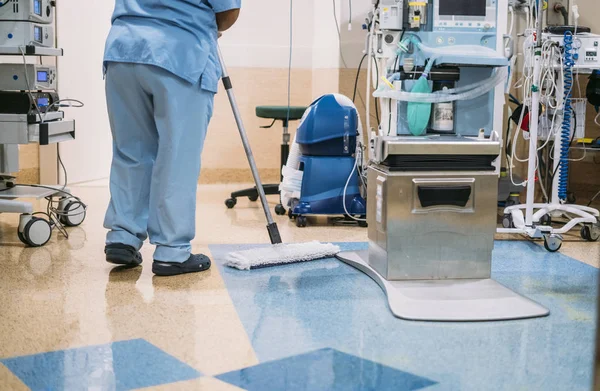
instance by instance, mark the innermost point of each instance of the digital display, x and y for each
(37, 34)
(591, 54)
(37, 7)
(42, 76)
(43, 102)
(462, 7)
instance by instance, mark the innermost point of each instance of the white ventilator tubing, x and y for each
(464, 93)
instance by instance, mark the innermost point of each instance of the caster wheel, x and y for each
(230, 203)
(37, 232)
(507, 221)
(253, 198)
(552, 243)
(513, 200)
(22, 238)
(571, 199)
(546, 220)
(591, 233)
(74, 214)
(363, 224)
(301, 222)
(280, 210)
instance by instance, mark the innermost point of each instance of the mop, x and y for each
(278, 253)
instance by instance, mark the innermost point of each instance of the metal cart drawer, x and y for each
(19, 129)
(52, 132)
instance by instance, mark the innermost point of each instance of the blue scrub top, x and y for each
(177, 35)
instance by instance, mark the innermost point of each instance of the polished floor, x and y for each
(70, 321)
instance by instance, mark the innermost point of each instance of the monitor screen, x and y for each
(462, 7)
(43, 102)
(37, 7)
(42, 76)
(37, 34)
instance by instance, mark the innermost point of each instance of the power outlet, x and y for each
(554, 18)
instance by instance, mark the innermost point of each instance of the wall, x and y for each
(257, 55)
(82, 29)
(256, 50)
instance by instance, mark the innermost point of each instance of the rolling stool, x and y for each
(276, 113)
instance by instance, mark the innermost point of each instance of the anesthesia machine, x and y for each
(434, 161)
(30, 113)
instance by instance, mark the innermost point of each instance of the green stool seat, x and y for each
(280, 112)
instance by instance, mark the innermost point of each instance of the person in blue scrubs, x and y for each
(162, 69)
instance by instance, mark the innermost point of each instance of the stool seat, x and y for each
(280, 112)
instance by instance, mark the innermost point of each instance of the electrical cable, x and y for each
(566, 125)
(63, 168)
(341, 52)
(593, 199)
(289, 91)
(357, 77)
(376, 87)
(337, 27)
(349, 14)
(346, 190)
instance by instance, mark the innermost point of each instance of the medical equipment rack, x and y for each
(43, 128)
(534, 222)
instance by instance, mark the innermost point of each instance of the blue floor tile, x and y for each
(122, 365)
(294, 309)
(324, 370)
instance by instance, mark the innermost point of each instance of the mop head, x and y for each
(280, 254)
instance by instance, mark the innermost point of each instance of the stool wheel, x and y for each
(230, 203)
(280, 210)
(301, 222)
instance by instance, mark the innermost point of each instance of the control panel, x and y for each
(586, 47)
(15, 34)
(40, 11)
(392, 14)
(465, 15)
(17, 77)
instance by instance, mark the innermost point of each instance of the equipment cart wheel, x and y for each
(552, 243)
(37, 232)
(253, 198)
(280, 210)
(546, 220)
(512, 200)
(590, 232)
(230, 203)
(74, 214)
(507, 221)
(363, 222)
(22, 238)
(301, 221)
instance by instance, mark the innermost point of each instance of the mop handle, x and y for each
(272, 226)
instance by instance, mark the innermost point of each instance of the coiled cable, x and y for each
(565, 137)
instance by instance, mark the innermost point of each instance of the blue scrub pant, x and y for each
(158, 124)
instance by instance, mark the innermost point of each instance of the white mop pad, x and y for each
(280, 254)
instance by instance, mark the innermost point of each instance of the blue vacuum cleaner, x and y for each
(322, 175)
